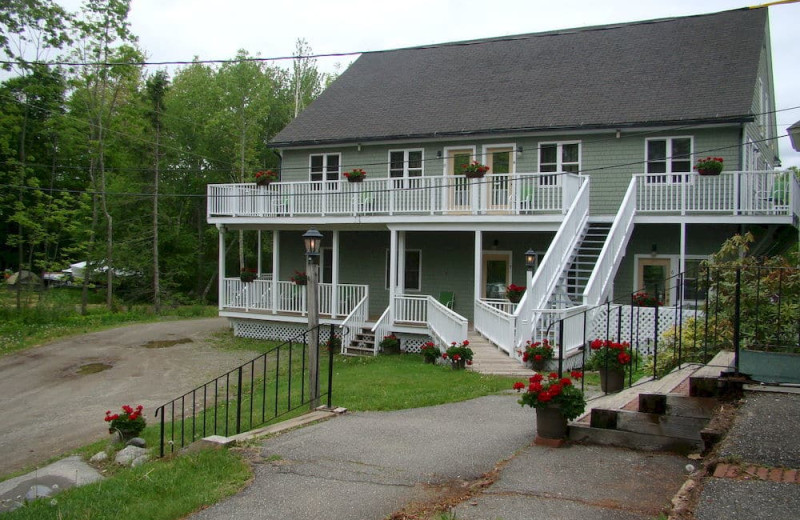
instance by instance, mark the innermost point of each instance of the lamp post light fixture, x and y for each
(313, 240)
(531, 260)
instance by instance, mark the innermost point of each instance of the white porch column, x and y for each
(276, 246)
(259, 254)
(401, 262)
(221, 290)
(392, 273)
(478, 268)
(335, 276)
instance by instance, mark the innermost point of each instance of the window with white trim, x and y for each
(694, 290)
(558, 157)
(404, 165)
(324, 167)
(413, 271)
(670, 156)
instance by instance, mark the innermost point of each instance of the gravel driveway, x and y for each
(48, 406)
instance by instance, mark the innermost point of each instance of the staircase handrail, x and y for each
(381, 327)
(611, 254)
(354, 322)
(444, 324)
(552, 265)
(495, 324)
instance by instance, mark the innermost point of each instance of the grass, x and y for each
(55, 313)
(157, 490)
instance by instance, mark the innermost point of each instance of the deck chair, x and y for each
(448, 299)
(526, 199)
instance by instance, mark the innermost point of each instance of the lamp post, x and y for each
(313, 240)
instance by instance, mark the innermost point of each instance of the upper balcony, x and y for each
(517, 194)
(773, 196)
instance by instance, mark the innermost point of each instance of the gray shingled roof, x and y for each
(691, 69)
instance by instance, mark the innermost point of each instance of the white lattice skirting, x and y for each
(271, 330)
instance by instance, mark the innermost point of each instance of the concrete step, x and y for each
(579, 432)
(678, 405)
(649, 423)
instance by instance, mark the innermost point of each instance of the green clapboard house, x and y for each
(591, 135)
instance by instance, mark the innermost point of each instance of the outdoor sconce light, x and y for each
(654, 249)
(530, 260)
(313, 240)
(794, 135)
(519, 149)
(438, 154)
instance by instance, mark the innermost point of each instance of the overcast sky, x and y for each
(172, 30)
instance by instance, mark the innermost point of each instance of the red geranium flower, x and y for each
(518, 386)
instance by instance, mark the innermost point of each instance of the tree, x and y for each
(156, 93)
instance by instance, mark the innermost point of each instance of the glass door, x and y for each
(496, 274)
(458, 183)
(499, 160)
(653, 274)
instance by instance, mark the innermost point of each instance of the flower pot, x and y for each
(392, 349)
(514, 297)
(123, 435)
(474, 175)
(429, 360)
(708, 172)
(461, 364)
(247, 278)
(550, 423)
(355, 179)
(538, 365)
(263, 182)
(300, 282)
(611, 380)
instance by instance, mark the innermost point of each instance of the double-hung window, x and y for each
(404, 167)
(669, 159)
(558, 158)
(324, 167)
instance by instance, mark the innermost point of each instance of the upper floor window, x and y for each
(670, 156)
(324, 167)
(404, 164)
(558, 157)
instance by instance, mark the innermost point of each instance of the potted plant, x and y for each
(709, 166)
(611, 359)
(390, 344)
(430, 352)
(538, 353)
(556, 400)
(247, 275)
(265, 177)
(645, 299)
(355, 175)
(128, 424)
(474, 170)
(459, 354)
(299, 278)
(514, 293)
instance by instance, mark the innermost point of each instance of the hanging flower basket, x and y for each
(299, 278)
(265, 177)
(709, 166)
(355, 175)
(474, 170)
(247, 275)
(514, 293)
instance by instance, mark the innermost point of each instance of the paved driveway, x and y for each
(47, 407)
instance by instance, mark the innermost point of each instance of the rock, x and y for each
(129, 454)
(138, 461)
(38, 491)
(138, 442)
(100, 456)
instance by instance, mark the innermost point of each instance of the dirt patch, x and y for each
(92, 368)
(165, 343)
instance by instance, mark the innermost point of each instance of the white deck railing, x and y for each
(501, 194)
(611, 255)
(496, 323)
(730, 193)
(355, 322)
(411, 310)
(257, 296)
(445, 324)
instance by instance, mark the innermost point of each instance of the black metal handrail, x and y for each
(228, 402)
(765, 317)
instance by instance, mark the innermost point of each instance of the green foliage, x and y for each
(541, 392)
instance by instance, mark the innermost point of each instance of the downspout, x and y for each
(279, 154)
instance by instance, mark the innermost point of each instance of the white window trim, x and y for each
(324, 165)
(419, 278)
(668, 160)
(446, 156)
(674, 266)
(485, 154)
(559, 155)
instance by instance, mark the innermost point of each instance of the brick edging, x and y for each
(752, 471)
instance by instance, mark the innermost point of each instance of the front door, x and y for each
(501, 167)
(458, 199)
(653, 273)
(496, 274)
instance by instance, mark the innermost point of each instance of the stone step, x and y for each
(579, 432)
(649, 423)
(677, 405)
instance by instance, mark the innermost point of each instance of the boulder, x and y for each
(128, 454)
